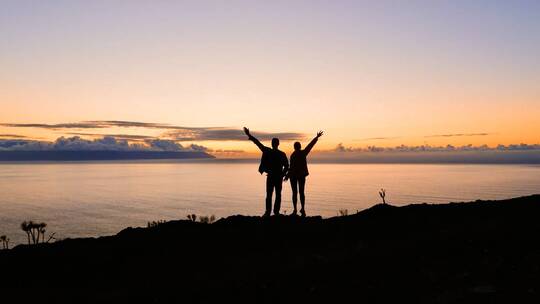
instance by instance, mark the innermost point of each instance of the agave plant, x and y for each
(5, 241)
(207, 219)
(35, 232)
(382, 194)
(25, 226)
(343, 212)
(41, 231)
(192, 217)
(155, 223)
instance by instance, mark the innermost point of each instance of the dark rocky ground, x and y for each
(478, 252)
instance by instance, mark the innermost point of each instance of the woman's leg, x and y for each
(301, 186)
(294, 187)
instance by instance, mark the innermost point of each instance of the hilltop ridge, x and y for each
(476, 252)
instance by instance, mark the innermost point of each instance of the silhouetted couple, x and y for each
(274, 162)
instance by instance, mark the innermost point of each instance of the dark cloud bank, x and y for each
(107, 143)
(448, 148)
(106, 148)
(510, 154)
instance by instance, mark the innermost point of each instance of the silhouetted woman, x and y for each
(298, 171)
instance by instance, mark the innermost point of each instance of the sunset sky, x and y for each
(381, 73)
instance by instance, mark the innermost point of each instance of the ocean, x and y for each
(89, 199)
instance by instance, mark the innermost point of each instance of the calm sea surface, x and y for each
(93, 199)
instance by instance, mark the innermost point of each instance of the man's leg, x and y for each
(294, 187)
(278, 182)
(269, 190)
(301, 187)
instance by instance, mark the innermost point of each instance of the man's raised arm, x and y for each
(254, 140)
(313, 142)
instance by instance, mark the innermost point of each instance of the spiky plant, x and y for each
(382, 194)
(51, 237)
(35, 232)
(207, 219)
(192, 217)
(41, 231)
(153, 224)
(5, 241)
(25, 226)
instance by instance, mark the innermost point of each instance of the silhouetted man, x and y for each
(274, 162)
(298, 172)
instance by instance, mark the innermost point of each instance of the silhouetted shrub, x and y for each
(207, 220)
(5, 242)
(35, 232)
(382, 194)
(343, 212)
(202, 219)
(153, 224)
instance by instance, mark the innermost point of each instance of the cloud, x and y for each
(164, 145)
(177, 133)
(458, 135)
(76, 143)
(378, 138)
(24, 145)
(427, 136)
(81, 125)
(502, 154)
(92, 124)
(520, 147)
(8, 143)
(341, 148)
(107, 143)
(195, 147)
(12, 136)
(99, 124)
(427, 148)
(130, 124)
(226, 134)
(226, 151)
(129, 137)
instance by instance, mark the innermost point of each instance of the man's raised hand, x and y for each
(320, 133)
(246, 130)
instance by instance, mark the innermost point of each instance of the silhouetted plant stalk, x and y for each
(382, 194)
(5, 242)
(202, 219)
(343, 212)
(155, 223)
(207, 219)
(35, 232)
